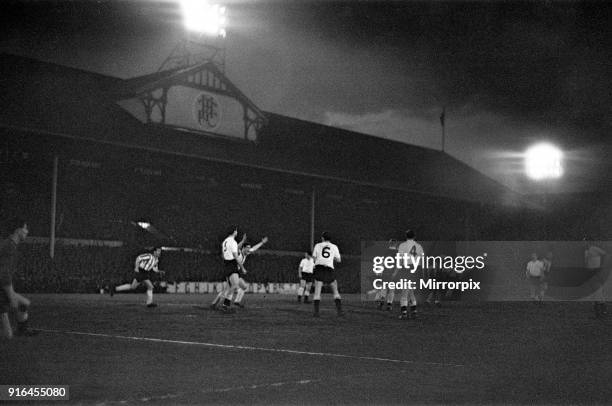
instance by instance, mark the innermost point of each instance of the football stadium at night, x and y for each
(422, 191)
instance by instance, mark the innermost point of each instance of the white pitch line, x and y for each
(250, 348)
(231, 389)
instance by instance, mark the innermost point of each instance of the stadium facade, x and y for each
(186, 151)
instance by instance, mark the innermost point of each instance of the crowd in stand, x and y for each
(91, 204)
(91, 268)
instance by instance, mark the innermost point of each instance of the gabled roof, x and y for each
(143, 84)
(51, 99)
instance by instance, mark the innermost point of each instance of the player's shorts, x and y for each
(307, 276)
(535, 280)
(324, 274)
(143, 275)
(230, 267)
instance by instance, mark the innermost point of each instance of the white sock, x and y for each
(22, 316)
(239, 295)
(218, 298)
(300, 291)
(149, 296)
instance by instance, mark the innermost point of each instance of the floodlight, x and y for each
(204, 18)
(544, 161)
(144, 225)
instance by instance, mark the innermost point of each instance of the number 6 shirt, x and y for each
(324, 254)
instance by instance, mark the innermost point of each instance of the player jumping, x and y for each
(233, 267)
(243, 252)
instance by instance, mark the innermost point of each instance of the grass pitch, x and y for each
(114, 351)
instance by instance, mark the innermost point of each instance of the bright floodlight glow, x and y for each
(144, 224)
(544, 161)
(205, 18)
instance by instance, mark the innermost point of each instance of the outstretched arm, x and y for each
(258, 245)
(241, 243)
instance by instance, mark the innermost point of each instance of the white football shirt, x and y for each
(324, 253)
(307, 265)
(412, 248)
(229, 247)
(535, 268)
(593, 256)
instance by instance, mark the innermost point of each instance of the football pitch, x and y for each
(114, 351)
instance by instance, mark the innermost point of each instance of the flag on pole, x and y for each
(442, 119)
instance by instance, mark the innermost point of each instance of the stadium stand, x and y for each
(114, 170)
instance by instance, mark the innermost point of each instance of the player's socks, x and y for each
(413, 309)
(22, 318)
(300, 291)
(338, 303)
(239, 295)
(149, 297)
(22, 313)
(306, 298)
(124, 287)
(217, 298)
(24, 330)
(299, 299)
(316, 308)
(389, 306)
(404, 312)
(225, 308)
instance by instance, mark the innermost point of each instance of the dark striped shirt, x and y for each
(146, 262)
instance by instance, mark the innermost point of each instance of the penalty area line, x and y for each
(251, 348)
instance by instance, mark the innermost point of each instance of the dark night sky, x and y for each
(509, 73)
